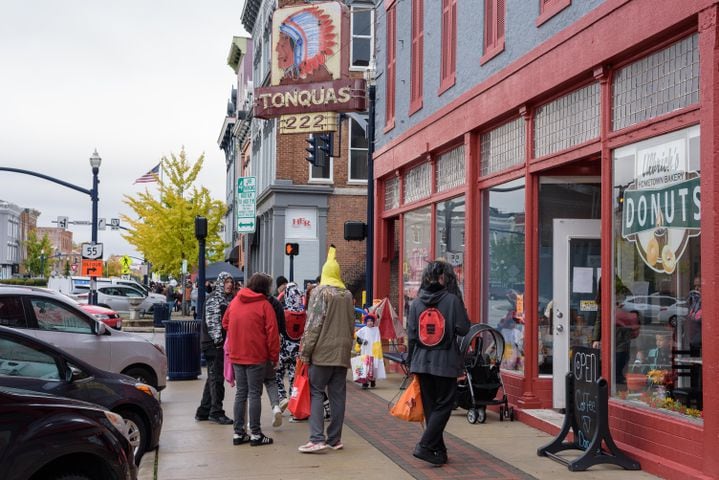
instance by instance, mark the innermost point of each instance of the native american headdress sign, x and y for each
(310, 63)
(661, 206)
(306, 43)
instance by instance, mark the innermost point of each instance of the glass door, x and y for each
(577, 268)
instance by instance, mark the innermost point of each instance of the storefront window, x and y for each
(504, 292)
(417, 237)
(657, 318)
(450, 235)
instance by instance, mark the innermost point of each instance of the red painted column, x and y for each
(709, 147)
(531, 268)
(607, 216)
(472, 226)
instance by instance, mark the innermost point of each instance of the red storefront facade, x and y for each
(493, 172)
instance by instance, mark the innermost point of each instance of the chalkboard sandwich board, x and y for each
(586, 416)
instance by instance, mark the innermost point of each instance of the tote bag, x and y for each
(408, 406)
(299, 404)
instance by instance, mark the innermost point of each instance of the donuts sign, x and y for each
(662, 206)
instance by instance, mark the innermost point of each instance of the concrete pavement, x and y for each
(203, 450)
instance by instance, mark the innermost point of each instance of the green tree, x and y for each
(37, 260)
(66, 270)
(164, 228)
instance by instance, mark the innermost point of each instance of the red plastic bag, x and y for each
(299, 404)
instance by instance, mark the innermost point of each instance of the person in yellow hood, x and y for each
(326, 346)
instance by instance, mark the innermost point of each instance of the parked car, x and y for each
(54, 438)
(659, 309)
(52, 317)
(31, 364)
(107, 316)
(122, 297)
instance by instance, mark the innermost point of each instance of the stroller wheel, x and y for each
(501, 413)
(472, 415)
(511, 414)
(482, 414)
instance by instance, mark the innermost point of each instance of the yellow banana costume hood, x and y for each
(331, 274)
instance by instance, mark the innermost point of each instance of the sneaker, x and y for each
(240, 438)
(259, 440)
(201, 418)
(336, 446)
(311, 447)
(428, 455)
(372, 384)
(297, 420)
(283, 404)
(221, 419)
(365, 386)
(277, 412)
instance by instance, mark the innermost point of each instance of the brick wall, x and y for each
(350, 255)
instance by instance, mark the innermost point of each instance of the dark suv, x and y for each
(51, 438)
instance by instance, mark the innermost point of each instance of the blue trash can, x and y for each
(182, 345)
(160, 313)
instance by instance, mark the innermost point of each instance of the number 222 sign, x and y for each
(308, 123)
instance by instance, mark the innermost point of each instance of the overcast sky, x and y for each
(136, 79)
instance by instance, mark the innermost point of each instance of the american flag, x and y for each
(150, 176)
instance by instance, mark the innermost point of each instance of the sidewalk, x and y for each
(376, 445)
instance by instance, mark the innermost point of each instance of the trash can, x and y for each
(160, 313)
(182, 345)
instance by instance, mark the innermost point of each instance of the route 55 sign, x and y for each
(91, 252)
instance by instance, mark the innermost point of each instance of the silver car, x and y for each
(51, 317)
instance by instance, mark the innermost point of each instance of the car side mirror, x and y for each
(72, 374)
(101, 328)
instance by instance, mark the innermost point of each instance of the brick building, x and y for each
(540, 146)
(297, 201)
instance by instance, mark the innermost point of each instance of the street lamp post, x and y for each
(369, 257)
(95, 162)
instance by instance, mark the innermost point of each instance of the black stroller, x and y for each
(482, 349)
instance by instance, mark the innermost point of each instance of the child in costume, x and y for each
(368, 337)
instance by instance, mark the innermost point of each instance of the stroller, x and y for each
(482, 349)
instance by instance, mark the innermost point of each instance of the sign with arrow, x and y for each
(91, 268)
(246, 204)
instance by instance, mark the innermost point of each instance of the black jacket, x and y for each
(445, 362)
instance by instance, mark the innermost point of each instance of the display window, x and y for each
(657, 294)
(417, 244)
(449, 236)
(504, 244)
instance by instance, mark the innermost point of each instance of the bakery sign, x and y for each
(661, 207)
(310, 63)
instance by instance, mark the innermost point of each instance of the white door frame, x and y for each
(564, 229)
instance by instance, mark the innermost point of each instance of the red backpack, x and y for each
(431, 327)
(295, 324)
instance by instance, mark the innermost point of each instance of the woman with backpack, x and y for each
(436, 318)
(294, 327)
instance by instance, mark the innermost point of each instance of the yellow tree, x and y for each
(164, 228)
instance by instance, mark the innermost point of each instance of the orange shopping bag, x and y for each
(299, 404)
(408, 406)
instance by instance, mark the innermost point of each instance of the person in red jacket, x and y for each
(253, 339)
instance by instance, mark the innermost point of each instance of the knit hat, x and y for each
(331, 274)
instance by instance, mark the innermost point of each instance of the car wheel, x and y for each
(673, 321)
(136, 432)
(142, 375)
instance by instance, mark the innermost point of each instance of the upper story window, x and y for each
(549, 8)
(449, 45)
(416, 88)
(358, 151)
(494, 11)
(391, 66)
(362, 36)
(321, 172)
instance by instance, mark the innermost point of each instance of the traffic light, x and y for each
(326, 144)
(311, 149)
(292, 249)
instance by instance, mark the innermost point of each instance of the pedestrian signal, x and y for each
(292, 249)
